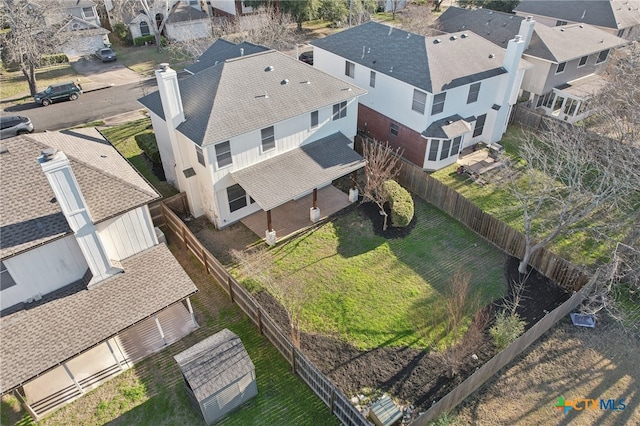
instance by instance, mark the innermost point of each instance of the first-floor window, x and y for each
(393, 129)
(144, 28)
(237, 197)
(200, 155)
(268, 139)
(340, 110)
(433, 149)
(477, 131)
(446, 145)
(223, 154)
(6, 280)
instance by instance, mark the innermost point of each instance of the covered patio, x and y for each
(294, 189)
(569, 101)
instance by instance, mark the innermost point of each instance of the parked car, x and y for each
(14, 125)
(106, 55)
(58, 92)
(306, 57)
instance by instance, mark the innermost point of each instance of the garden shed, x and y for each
(218, 375)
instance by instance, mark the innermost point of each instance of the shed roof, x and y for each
(270, 184)
(214, 363)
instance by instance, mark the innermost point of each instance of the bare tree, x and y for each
(383, 164)
(157, 11)
(569, 179)
(34, 31)
(419, 19)
(257, 265)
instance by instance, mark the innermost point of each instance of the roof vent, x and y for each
(306, 82)
(49, 153)
(453, 38)
(436, 41)
(561, 29)
(464, 35)
(491, 56)
(285, 81)
(408, 35)
(391, 70)
(269, 68)
(241, 51)
(529, 18)
(581, 26)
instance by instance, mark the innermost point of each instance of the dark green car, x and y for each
(58, 92)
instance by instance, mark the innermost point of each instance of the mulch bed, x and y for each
(417, 377)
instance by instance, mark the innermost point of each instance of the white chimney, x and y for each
(57, 169)
(526, 30)
(513, 54)
(170, 95)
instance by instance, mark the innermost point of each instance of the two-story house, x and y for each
(89, 35)
(430, 96)
(617, 17)
(86, 287)
(567, 60)
(253, 132)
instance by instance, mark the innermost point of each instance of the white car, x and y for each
(14, 125)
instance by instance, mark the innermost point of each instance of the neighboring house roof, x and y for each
(603, 13)
(37, 339)
(85, 27)
(29, 215)
(249, 93)
(270, 184)
(185, 13)
(556, 44)
(433, 64)
(220, 51)
(214, 363)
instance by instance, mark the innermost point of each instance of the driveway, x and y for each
(97, 74)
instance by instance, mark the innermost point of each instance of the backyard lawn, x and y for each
(372, 291)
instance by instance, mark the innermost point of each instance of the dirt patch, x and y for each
(220, 242)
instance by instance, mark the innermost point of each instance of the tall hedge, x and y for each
(400, 202)
(147, 143)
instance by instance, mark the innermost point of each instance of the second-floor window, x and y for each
(372, 79)
(419, 101)
(88, 12)
(602, 56)
(223, 154)
(561, 67)
(438, 103)
(349, 69)
(200, 155)
(477, 131)
(474, 89)
(268, 139)
(583, 61)
(339, 110)
(237, 197)
(314, 119)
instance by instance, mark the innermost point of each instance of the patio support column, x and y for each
(353, 191)
(64, 365)
(314, 212)
(193, 316)
(160, 330)
(23, 401)
(113, 354)
(270, 234)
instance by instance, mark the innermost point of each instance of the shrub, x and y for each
(58, 58)
(122, 32)
(400, 202)
(507, 329)
(147, 143)
(149, 39)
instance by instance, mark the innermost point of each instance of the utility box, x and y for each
(218, 375)
(384, 412)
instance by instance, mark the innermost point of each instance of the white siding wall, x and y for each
(535, 78)
(127, 234)
(190, 30)
(165, 149)
(43, 270)
(228, 6)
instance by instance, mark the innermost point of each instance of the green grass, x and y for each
(371, 291)
(15, 85)
(386, 17)
(145, 59)
(123, 139)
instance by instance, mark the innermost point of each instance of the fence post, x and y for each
(204, 260)
(230, 289)
(332, 399)
(183, 232)
(293, 358)
(259, 318)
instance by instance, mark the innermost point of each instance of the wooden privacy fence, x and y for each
(484, 373)
(339, 404)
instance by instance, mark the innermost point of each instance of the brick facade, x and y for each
(377, 126)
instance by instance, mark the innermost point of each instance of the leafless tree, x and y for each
(34, 31)
(419, 19)
(569, 179)
(383, 164)
(257, 265)
(157, 11)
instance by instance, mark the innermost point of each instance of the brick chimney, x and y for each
(57, 169)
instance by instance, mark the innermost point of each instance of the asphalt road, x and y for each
(90, 106)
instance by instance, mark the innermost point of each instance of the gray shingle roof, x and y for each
(28, 217)
(584, 87)
(220, 51)
(269, 182)
(433, 64)
(556, 44)
(184, 12)
(35, 340)
(214, 363)
(603, 13)
(448, 128)
(229, 99)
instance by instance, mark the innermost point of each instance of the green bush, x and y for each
(58, 58)
(122, 32)
(400, 202)
(147, 143)
(506, 329)
(151, 39)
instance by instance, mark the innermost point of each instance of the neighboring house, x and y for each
(229, 8)
(86, 288)
(430, 96)
(252, 133)
(566, 59)
(220, 51)
(90, 35)
(617, 17)
(187, 23)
